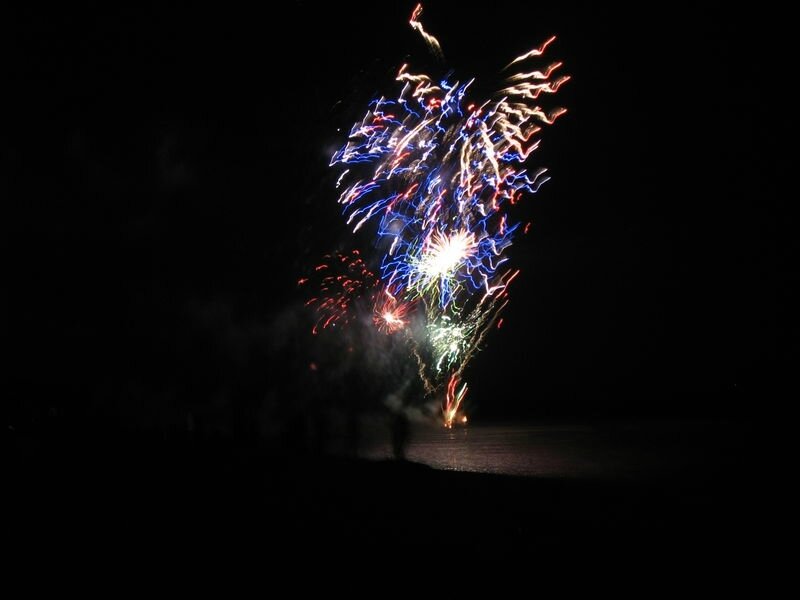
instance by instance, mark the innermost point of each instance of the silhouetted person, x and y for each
(400, 432)
(352, 431)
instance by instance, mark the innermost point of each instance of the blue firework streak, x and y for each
(434, 173)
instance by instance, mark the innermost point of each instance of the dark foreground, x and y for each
(215, 497)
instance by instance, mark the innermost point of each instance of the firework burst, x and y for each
(433, 172)
(342, 279)
(390, 315)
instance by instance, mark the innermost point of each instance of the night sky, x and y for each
(168, 184)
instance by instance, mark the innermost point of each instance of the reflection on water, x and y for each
(580, 451)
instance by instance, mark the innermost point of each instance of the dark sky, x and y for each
(167, 185)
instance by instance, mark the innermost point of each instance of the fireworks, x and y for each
(435, 269)
(452, 401)
(390, 315)
(344, 279)
(434, 172)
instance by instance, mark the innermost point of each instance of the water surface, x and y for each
(563, 450)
